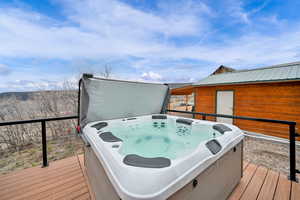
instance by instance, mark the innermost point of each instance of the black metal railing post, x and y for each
(78, 104)
(44, 144)
(292, 138)
(193, 110)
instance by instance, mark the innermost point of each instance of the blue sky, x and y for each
(45, 43)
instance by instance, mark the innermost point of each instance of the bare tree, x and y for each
(60, 102)
(107, 71)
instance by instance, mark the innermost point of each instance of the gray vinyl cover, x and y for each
(105, 99)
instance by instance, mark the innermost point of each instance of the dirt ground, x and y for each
(271, 154)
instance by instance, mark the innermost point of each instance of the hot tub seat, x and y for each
(139, 161)
(221, 128)
(214, 146)
(184, 121)
(159, 117)
(109, 137)
(100, 125)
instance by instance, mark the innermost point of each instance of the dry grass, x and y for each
(32, 155)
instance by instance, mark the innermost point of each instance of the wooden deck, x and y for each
(66, 179)
(63, 179)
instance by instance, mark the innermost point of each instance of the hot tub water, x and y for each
(160, 137)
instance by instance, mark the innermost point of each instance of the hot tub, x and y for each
(162, 157)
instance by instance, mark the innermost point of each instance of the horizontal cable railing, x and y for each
(292, 133)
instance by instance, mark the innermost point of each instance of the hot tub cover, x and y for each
(105, 99)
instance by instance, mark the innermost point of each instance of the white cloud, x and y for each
(234, 8)
(112, 30)
(252, 49)
(35, 85)
(112, 18)
(102, 29)
(260, 7)
(4, 70)
(151, 76)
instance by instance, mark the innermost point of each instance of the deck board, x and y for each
(295, 194)
(249, 171)
(40, 181)
(66, 179)
(63, 179)
(283, 188)
(269, 186)
(245, 165)
(253, 188)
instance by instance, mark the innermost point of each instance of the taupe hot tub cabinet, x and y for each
(210, 171)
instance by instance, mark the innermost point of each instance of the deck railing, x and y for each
(43, 129)
(291, 124)
(292, 134)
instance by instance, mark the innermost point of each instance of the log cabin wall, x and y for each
(279, 101)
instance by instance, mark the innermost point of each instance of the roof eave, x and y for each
(248, 82)
(186, 90)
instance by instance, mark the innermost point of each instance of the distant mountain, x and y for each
(21, 96)
(37, 104)
(32, 95)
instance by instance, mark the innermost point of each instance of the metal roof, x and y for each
(177, 85)
(283, 72)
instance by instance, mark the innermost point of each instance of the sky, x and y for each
(45, 44)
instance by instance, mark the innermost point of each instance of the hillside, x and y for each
(20, 145)
(22, 96)
(30, 105)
